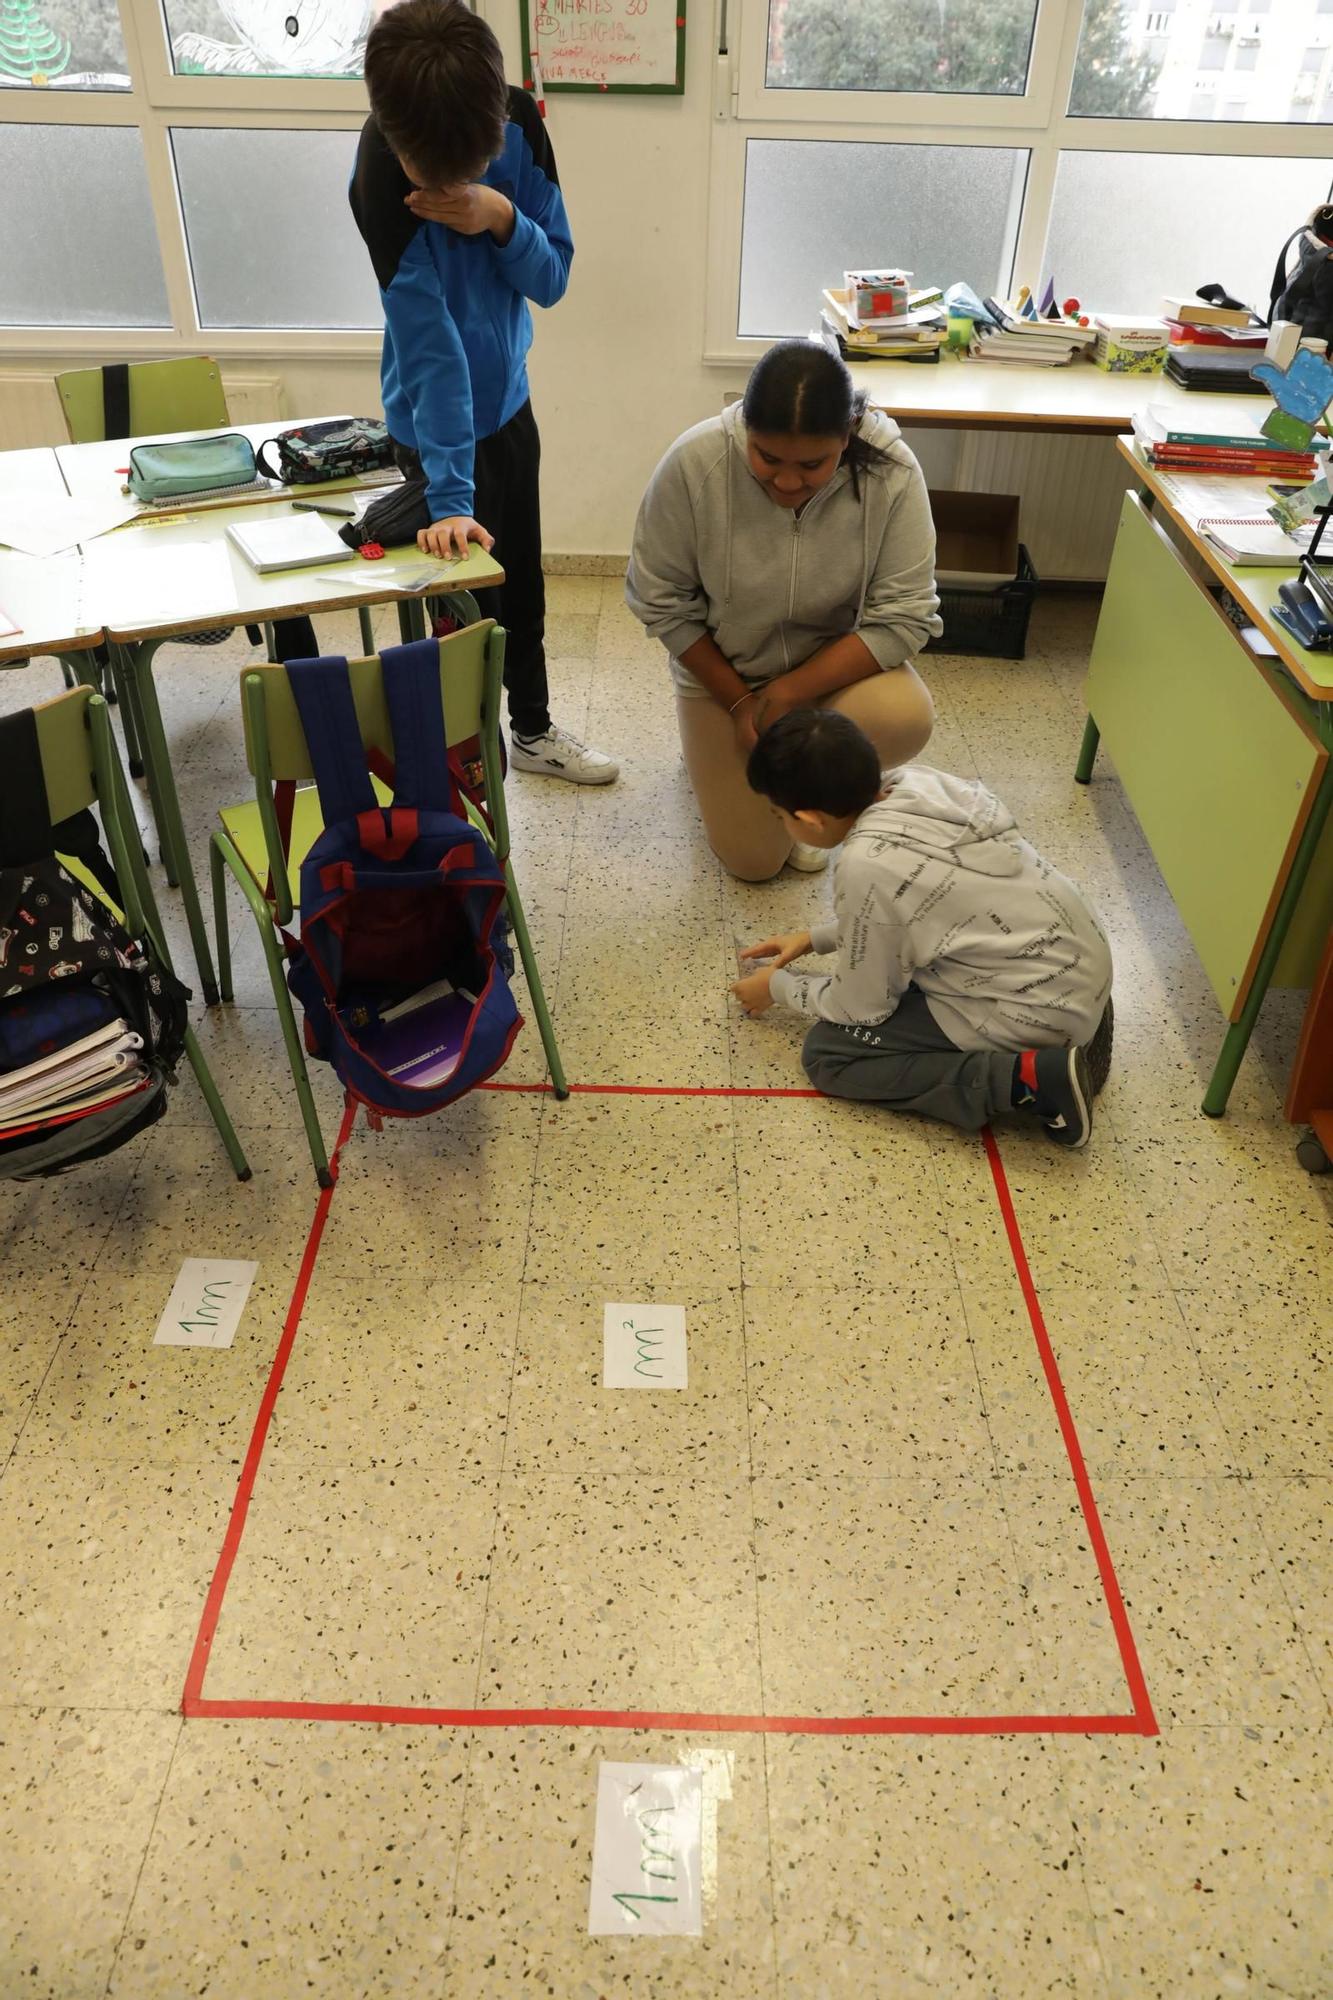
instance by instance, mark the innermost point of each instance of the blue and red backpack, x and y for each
(395, 898)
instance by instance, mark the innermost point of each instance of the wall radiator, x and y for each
(1071, 489)
(30, 412)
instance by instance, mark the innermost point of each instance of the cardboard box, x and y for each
(976, 538)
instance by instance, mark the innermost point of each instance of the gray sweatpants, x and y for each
(909, 1064)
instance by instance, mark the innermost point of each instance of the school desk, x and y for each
(1224, 753)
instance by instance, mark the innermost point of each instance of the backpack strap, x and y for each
(422, 774)
(323, 691)
(116, 400)
(25, 816)
(1279, 284)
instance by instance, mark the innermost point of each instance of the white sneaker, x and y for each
(809, 860)
(557, 754)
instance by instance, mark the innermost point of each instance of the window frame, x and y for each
(1038, 122)
(157, 101)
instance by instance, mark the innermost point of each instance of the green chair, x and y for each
(266, 860)
(179, 395)
(81, 768)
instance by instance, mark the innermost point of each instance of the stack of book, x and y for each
(1041, 343)
(82, 1075)
(1213, 347)
(916, 334)
(1237, 445)
(1129, 346)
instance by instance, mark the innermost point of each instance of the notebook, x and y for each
(292, 541)
(1253, 542)
(421, 1039)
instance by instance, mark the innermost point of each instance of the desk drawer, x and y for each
(1217, 760)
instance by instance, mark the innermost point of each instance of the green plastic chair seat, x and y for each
(245, 829)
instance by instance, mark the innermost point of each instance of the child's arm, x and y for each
(433, 370)
(536, 259)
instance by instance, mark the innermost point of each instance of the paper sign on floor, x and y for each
(646, 1852)
(643, 1347)
(206, 1303)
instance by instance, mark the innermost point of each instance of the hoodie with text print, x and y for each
(936, 888)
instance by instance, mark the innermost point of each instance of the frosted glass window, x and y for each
(1120, 266)
(816, 207)
(969, 48)
(268, 37)
(80, 248)
(1138, 63)
(62, 45)
(271, 238)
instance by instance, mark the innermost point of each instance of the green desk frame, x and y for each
(1228, 766)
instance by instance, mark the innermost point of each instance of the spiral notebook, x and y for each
(1253, 541)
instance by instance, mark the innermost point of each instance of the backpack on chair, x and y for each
(402, 966)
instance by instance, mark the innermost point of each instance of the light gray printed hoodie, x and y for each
(713, 554)
(935, 887)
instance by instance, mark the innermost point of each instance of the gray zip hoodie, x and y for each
(935, 887)
(713, 554)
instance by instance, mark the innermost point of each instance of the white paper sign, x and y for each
(643, 1347)
(646, 1851)
(206, 1303)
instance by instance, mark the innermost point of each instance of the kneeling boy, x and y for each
(970, 975)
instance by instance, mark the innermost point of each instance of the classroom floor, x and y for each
(862, 1506)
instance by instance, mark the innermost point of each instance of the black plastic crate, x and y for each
(988, 621)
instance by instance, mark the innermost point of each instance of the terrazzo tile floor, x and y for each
(862, 1505)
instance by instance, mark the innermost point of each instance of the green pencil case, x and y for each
(193, 465)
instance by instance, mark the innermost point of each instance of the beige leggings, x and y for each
(748, 838)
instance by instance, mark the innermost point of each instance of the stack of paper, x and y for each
(916, 334)
(1043, 343)
(95, 1070)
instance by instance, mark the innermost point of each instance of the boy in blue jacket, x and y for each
(455, 193)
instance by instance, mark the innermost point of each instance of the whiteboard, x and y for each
(604, 44)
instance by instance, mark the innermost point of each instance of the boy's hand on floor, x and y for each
(782, 950)
(754, 992)
(450, 537)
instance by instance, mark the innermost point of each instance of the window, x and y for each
(1312, 61)
(80, 246)
(1080, 141)
(815, 206)
(195, 187)
(900, 46)
(62, 45)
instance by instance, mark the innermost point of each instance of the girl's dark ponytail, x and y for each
(801, 389)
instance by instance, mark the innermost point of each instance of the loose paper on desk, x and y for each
(43, 525)
(206, 1303)
(643, 1347)
(646, 1852)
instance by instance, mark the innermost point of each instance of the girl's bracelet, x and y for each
(747, 696)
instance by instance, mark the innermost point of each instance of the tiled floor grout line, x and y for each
(143, 1860)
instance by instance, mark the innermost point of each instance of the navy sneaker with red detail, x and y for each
(1055, 1086)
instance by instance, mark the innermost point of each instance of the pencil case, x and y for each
(192, 465)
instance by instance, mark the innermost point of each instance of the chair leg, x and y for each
(217, 869)
(226, 1130)
(534, 979)
(259, 910)
(367, 629)
(129, 720)
(68, 674)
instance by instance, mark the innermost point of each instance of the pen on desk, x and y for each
(321, 507)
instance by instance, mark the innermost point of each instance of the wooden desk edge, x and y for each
(23, 648)
(131, 635)
(1290, 656)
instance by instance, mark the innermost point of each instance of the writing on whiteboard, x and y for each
(605, 43)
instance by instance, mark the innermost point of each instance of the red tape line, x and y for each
(1140, 1722)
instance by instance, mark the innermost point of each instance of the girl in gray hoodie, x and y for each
(784, 554)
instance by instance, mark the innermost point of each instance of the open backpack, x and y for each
(402, 965)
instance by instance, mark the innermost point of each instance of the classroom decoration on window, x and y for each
(30, 49)
(268, 37)
(603, 45)
(60, 45)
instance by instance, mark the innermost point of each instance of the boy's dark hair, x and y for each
(815, 760)
(800, 389)
(437, 88)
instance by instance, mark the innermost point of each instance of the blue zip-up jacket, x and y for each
(456, 323)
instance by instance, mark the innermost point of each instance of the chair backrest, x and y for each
(80, 768)
(184, 394)
(471, 682)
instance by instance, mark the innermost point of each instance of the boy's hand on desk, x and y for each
(470, 207)
(754, 992)
(450, 538)
(782, 949)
